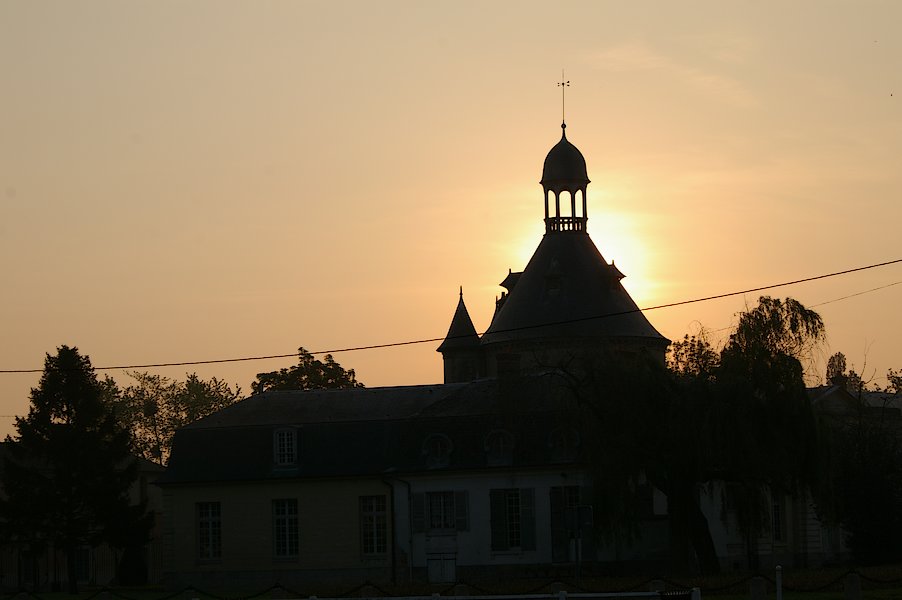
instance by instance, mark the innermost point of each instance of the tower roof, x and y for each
(565, 167)
(567, 290)
(461, 334)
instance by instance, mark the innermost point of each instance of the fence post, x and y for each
(696, 594)
(779, 582)
(562, 595)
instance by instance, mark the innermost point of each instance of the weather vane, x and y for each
(563, 85)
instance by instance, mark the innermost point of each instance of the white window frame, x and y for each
(285, 447)
(373, 526)
(285, 535)
(209, 530)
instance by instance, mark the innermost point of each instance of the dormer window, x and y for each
(437, 450)
(285, 447)
(499, 448)
(564, 443)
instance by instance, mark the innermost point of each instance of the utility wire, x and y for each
(508, 330)
(882, 287)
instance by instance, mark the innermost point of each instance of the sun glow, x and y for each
(623, 238)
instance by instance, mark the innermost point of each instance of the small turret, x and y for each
(461, 349)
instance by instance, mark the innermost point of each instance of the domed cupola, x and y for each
(564, 172)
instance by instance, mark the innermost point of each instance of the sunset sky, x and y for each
(185, 181)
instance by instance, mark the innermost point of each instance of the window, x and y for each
(564, 443)
(285, 527)
(570, 521)
(440, 512)
(209, 531)
(285, 447)
(513, 519)
(373, 528)
(499, 448)
(437, 450)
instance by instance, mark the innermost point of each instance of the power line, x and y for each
(876, 289)
(512, 329)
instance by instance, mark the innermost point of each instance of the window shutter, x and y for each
(528, 519)
(498, 512)
(587, 497)
(560, 536)
(461, 511)
(418, 513)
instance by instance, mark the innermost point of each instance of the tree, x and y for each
(643, 423)
(867, 484)
(738, 420)
(69, 469)
(155, 406)
(836, 369)
(850, 380)
(866, 469)
(894, 379)
(309, 374)
(692, 357)
(767, 439)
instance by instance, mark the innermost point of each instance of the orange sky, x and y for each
(218, 179)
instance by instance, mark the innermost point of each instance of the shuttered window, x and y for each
(440, 511)
(513, 519)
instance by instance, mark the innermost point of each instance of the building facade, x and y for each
(481, 477)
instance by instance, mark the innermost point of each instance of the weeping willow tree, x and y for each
(738, 419)
(766, 435)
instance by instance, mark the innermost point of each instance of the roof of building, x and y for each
(301, 407)
(835, 400)
(565, 167)
(378, 431)
(567, 290)
(461, 334)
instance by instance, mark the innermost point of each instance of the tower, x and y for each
(461, 352)
(568, 300)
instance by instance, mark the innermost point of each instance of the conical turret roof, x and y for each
(568, 291)
(461, 334)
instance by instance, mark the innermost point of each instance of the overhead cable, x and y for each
(512, 329)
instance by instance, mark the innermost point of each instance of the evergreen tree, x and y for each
(68, 470)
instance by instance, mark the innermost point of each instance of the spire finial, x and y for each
(563, 84)
(461, 292)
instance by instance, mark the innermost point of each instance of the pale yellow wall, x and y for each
(328, 519)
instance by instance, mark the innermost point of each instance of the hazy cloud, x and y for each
(638, 56)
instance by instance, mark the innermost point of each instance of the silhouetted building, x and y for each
(485, 477)
(568, 300)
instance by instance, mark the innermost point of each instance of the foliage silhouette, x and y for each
(736, 423)
(309, 374)
(155, 406)
(69, 469)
